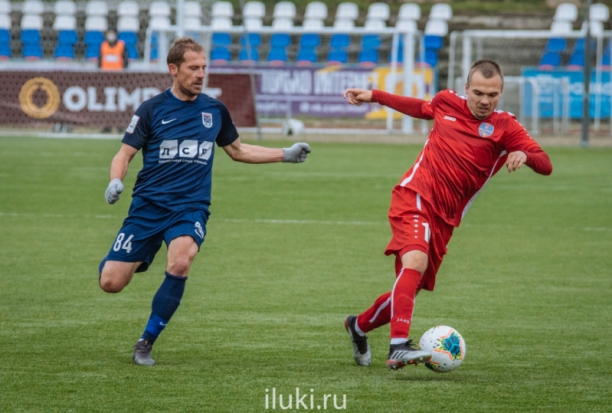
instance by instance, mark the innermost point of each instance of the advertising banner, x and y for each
(548, 88)
(101, 99)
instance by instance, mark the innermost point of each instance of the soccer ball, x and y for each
(447, 348)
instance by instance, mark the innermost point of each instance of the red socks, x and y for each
(376, 316)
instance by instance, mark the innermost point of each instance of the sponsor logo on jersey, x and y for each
(198, 230)
(207, 119)
(132, 126)
(165, 122)
(446, 117)
(173, 150)
(485, 129)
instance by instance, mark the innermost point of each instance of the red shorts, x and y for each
(415, 226)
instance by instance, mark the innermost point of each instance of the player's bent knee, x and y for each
(415, 260)
(179, 266)
(110, 285)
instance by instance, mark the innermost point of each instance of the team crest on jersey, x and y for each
(207, 119)
(485, 129)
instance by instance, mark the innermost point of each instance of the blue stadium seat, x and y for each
(550, 60)
(32, 51)
(280, 40)
(254, 39)
(5, 35)
(64, 51)
(221, 39)
(370, 41)
(431, 58)
(368, 57)
(5, 51)
(93, 40)
(306, 55)
(433, 42)
(340, 41)
(337, 56)
(220, 53)
(128, 37)
(576, 60)
(277, 54)
(579, 46)
(244, 56)
(556, 44)
(132, 51)
(30, 36)
(69, 37)
(310, 40)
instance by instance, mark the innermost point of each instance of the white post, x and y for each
(180, 18)
(467, 56)
(394, 50)
(408, 75)
(599, 88)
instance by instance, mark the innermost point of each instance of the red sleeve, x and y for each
(517, 139)
(417, 108)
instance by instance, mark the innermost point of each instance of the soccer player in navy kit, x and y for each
(176, 131)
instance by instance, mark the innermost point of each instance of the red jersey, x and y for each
(462, 152)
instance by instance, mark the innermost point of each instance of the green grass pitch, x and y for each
(290, 251)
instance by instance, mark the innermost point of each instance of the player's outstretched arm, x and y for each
(356, 96)
(417, 108)
(243, 152)
(118, 171)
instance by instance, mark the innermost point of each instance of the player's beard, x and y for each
(193, 91)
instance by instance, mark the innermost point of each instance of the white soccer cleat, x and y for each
(403, 354)
(361, 348)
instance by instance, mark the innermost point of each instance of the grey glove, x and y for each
(114, 190)
(297, 153)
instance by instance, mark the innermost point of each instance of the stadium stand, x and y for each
(31, 25)
(347, 11)
(566, 12)
(378, 11)
(65, 25)
(284, 10)
(5, 30)
(95, 26)
(316, 10)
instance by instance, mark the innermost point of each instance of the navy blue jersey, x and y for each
(177, 141)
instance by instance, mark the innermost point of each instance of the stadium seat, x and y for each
(157, 23)
(599, 12)
(254, 39)
(550, 60)
(400, 53)
(310, 40)
(337, 56)
(159, 9)
(282, 23)
(127, 30)
(194, 9)
(566, 12)
(344, 25)
(220, 55)
(221, 39)
(370, 41)
(576, 61)
(436, 27)
(560, 28)
(67, 36)
(409, 11)
(431, 59)
(368, 57)
(64, 7)
(5, 37)
(280, 40)
(378, 11)
(253, 23)
(340, 41)
(5, 51)
(128, 9)
(316, 10)
(372, 25)
(5, 7)
(221, 23)
(222, 9)
(32, 51)
(579, 46)
(277, 56)
(35, 7)
(95, 26)
(347, 11)
(306, 56)
(31, 24)
(192, 27)
(556, 44)
(407, 25)
(312, 24)
(96, 8)
(432, 42)
(254, 9)
(244, 55)
(441, 11)
(596, 28)
(284, 9)
(64, 52)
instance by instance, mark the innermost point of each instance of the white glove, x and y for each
(297, 153)
(114, 190)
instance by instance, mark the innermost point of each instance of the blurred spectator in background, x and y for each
(113, 53)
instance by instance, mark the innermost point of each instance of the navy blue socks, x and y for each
(165, 303)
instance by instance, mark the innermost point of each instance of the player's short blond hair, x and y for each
(176, 54)
(487, 68)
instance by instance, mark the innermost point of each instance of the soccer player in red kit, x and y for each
(469, 142)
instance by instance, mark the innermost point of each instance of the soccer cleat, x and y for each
(401, 355)
(142, 353)
(361, 348)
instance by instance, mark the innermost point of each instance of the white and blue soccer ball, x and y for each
(447, 348)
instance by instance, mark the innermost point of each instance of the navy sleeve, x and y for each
(228, 133)
(137, 132)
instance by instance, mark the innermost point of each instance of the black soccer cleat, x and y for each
(142, 353)
(401, 355)
(361, 348)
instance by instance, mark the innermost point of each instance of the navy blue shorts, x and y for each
(148, 225)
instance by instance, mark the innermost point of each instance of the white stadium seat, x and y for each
(347, 11)
(596, 28)
(313, 24)
(441, 11)
(5, 21)
(193, 23)
(96, 8)
(31, 22)
(566, 12)
(344, 24)
(407, 25)
(378, 11)
(32, 7)
(222, 9)
(282, 23)
(409, 11)
(64, 22)
(599, 12)
(253, 23)
(436, 27)
(193, 9)
(128, 24)
(284, 9)
(96, 24)
(561, 27)
(316, 10)
(5, 7)
(64, 7)
(373, 25)
(128, 8)
(254, 9)
(221, 23)
(159, 23)
(159, 8)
